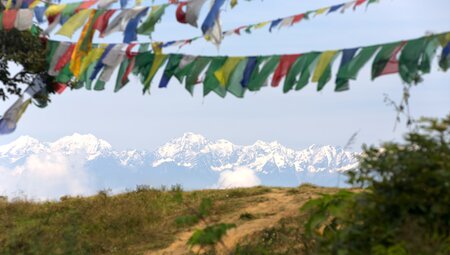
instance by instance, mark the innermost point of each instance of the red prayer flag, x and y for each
(9, 17)
(128, 51)
(180, 14)
(65, 58)
(85, 5)
(102, 22)
(128, 71)
(392, 66)
(297, 18)
(283, 68)
(59, 87)
(358, 3)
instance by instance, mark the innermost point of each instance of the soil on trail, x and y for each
(271, 207)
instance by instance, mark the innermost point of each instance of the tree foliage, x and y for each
(28, 52)
(404, 208)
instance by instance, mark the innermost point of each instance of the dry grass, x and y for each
(130, 223)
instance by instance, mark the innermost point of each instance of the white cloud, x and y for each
(46, 176)
(238, 177)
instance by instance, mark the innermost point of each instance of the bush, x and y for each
(404, 208)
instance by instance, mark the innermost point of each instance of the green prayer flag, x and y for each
(309, 64)
(259, 78)
(1, 21)
(409, 60)
(148, 26)
(51, 49)
(172, 64)
(85, 77)
(122, 69)
(144, 47)
(181, 72)
(69, 10)
(65, 75)
(196, 69)
(428, 55)
(351, 70)
(142, 65)
(35, 30)
(99, 85)
(211, 83)
(234, 85)
(291, 77)
(382, 58)
(78, 85)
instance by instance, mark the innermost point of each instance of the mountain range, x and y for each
(191, 160)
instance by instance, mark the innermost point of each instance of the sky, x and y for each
(130, 120)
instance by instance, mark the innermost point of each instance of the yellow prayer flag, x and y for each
(34, 4)
(156, 46)
(93, 55)
(55, 9)
(74, 23)
(324, 60)
(78, 53)
(8, 4)
(321, 11)
(233, 3)
(261, 25)
(225, 71)
(157, 62)
(444, 39)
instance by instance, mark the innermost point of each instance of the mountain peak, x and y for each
(193, 137)
(22, 146)
(76, 143)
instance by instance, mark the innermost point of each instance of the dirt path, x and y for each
(275, 205)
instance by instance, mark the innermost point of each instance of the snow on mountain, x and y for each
(87, 145)
(20, 148)
(192, 151)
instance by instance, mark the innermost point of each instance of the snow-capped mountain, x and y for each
(191, 160)
(193, 150)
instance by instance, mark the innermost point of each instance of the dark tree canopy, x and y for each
(27, 51)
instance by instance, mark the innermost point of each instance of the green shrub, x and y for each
(404, 208)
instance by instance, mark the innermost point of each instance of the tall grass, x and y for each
(130, 223)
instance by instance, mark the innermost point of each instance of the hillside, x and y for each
(143, 221)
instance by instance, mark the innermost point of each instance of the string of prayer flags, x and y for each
(222, 74)
(73, 16)
(212, 21)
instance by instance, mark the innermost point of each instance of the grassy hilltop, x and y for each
(144, 221)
